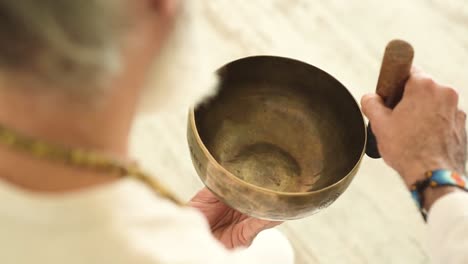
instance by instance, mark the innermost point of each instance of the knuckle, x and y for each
(451, 94)
(428, 83)
(365, 101)
(462, 115)
(420, 83)
(368, 102)
(365, 107)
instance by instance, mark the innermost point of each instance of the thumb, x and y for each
(374, 108)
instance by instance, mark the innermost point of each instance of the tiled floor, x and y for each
(375, 220)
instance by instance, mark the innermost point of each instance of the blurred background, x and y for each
(375, 220)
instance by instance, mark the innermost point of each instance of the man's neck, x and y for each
(43, 118)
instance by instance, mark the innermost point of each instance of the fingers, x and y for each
(416, 71)
(421, 87)
(420, 82)
(374, 108)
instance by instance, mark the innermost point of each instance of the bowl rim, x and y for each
(213, 161)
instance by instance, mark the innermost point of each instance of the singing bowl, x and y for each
(280, 140)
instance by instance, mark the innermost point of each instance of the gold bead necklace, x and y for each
(80, 158)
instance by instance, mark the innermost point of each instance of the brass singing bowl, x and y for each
(280, 140)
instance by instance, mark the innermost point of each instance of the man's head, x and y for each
(59, 42)
(94, 49)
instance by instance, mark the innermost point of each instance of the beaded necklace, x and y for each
(80, 158)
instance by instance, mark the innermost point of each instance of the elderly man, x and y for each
(73, 77)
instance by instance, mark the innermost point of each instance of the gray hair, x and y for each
(63, 42)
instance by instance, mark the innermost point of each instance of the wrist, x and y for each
(434, 185)
(416, 172)
(431, 195)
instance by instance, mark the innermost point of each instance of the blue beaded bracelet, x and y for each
(434, 179)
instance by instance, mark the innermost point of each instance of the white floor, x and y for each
(375, 220)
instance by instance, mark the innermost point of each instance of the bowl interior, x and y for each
(282, 124)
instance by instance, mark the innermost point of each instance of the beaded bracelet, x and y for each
(434, 179)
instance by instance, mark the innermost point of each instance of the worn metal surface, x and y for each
(374, 221)
(281, 140)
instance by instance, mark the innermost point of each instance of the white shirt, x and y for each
(448, 229)
(125, 222)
